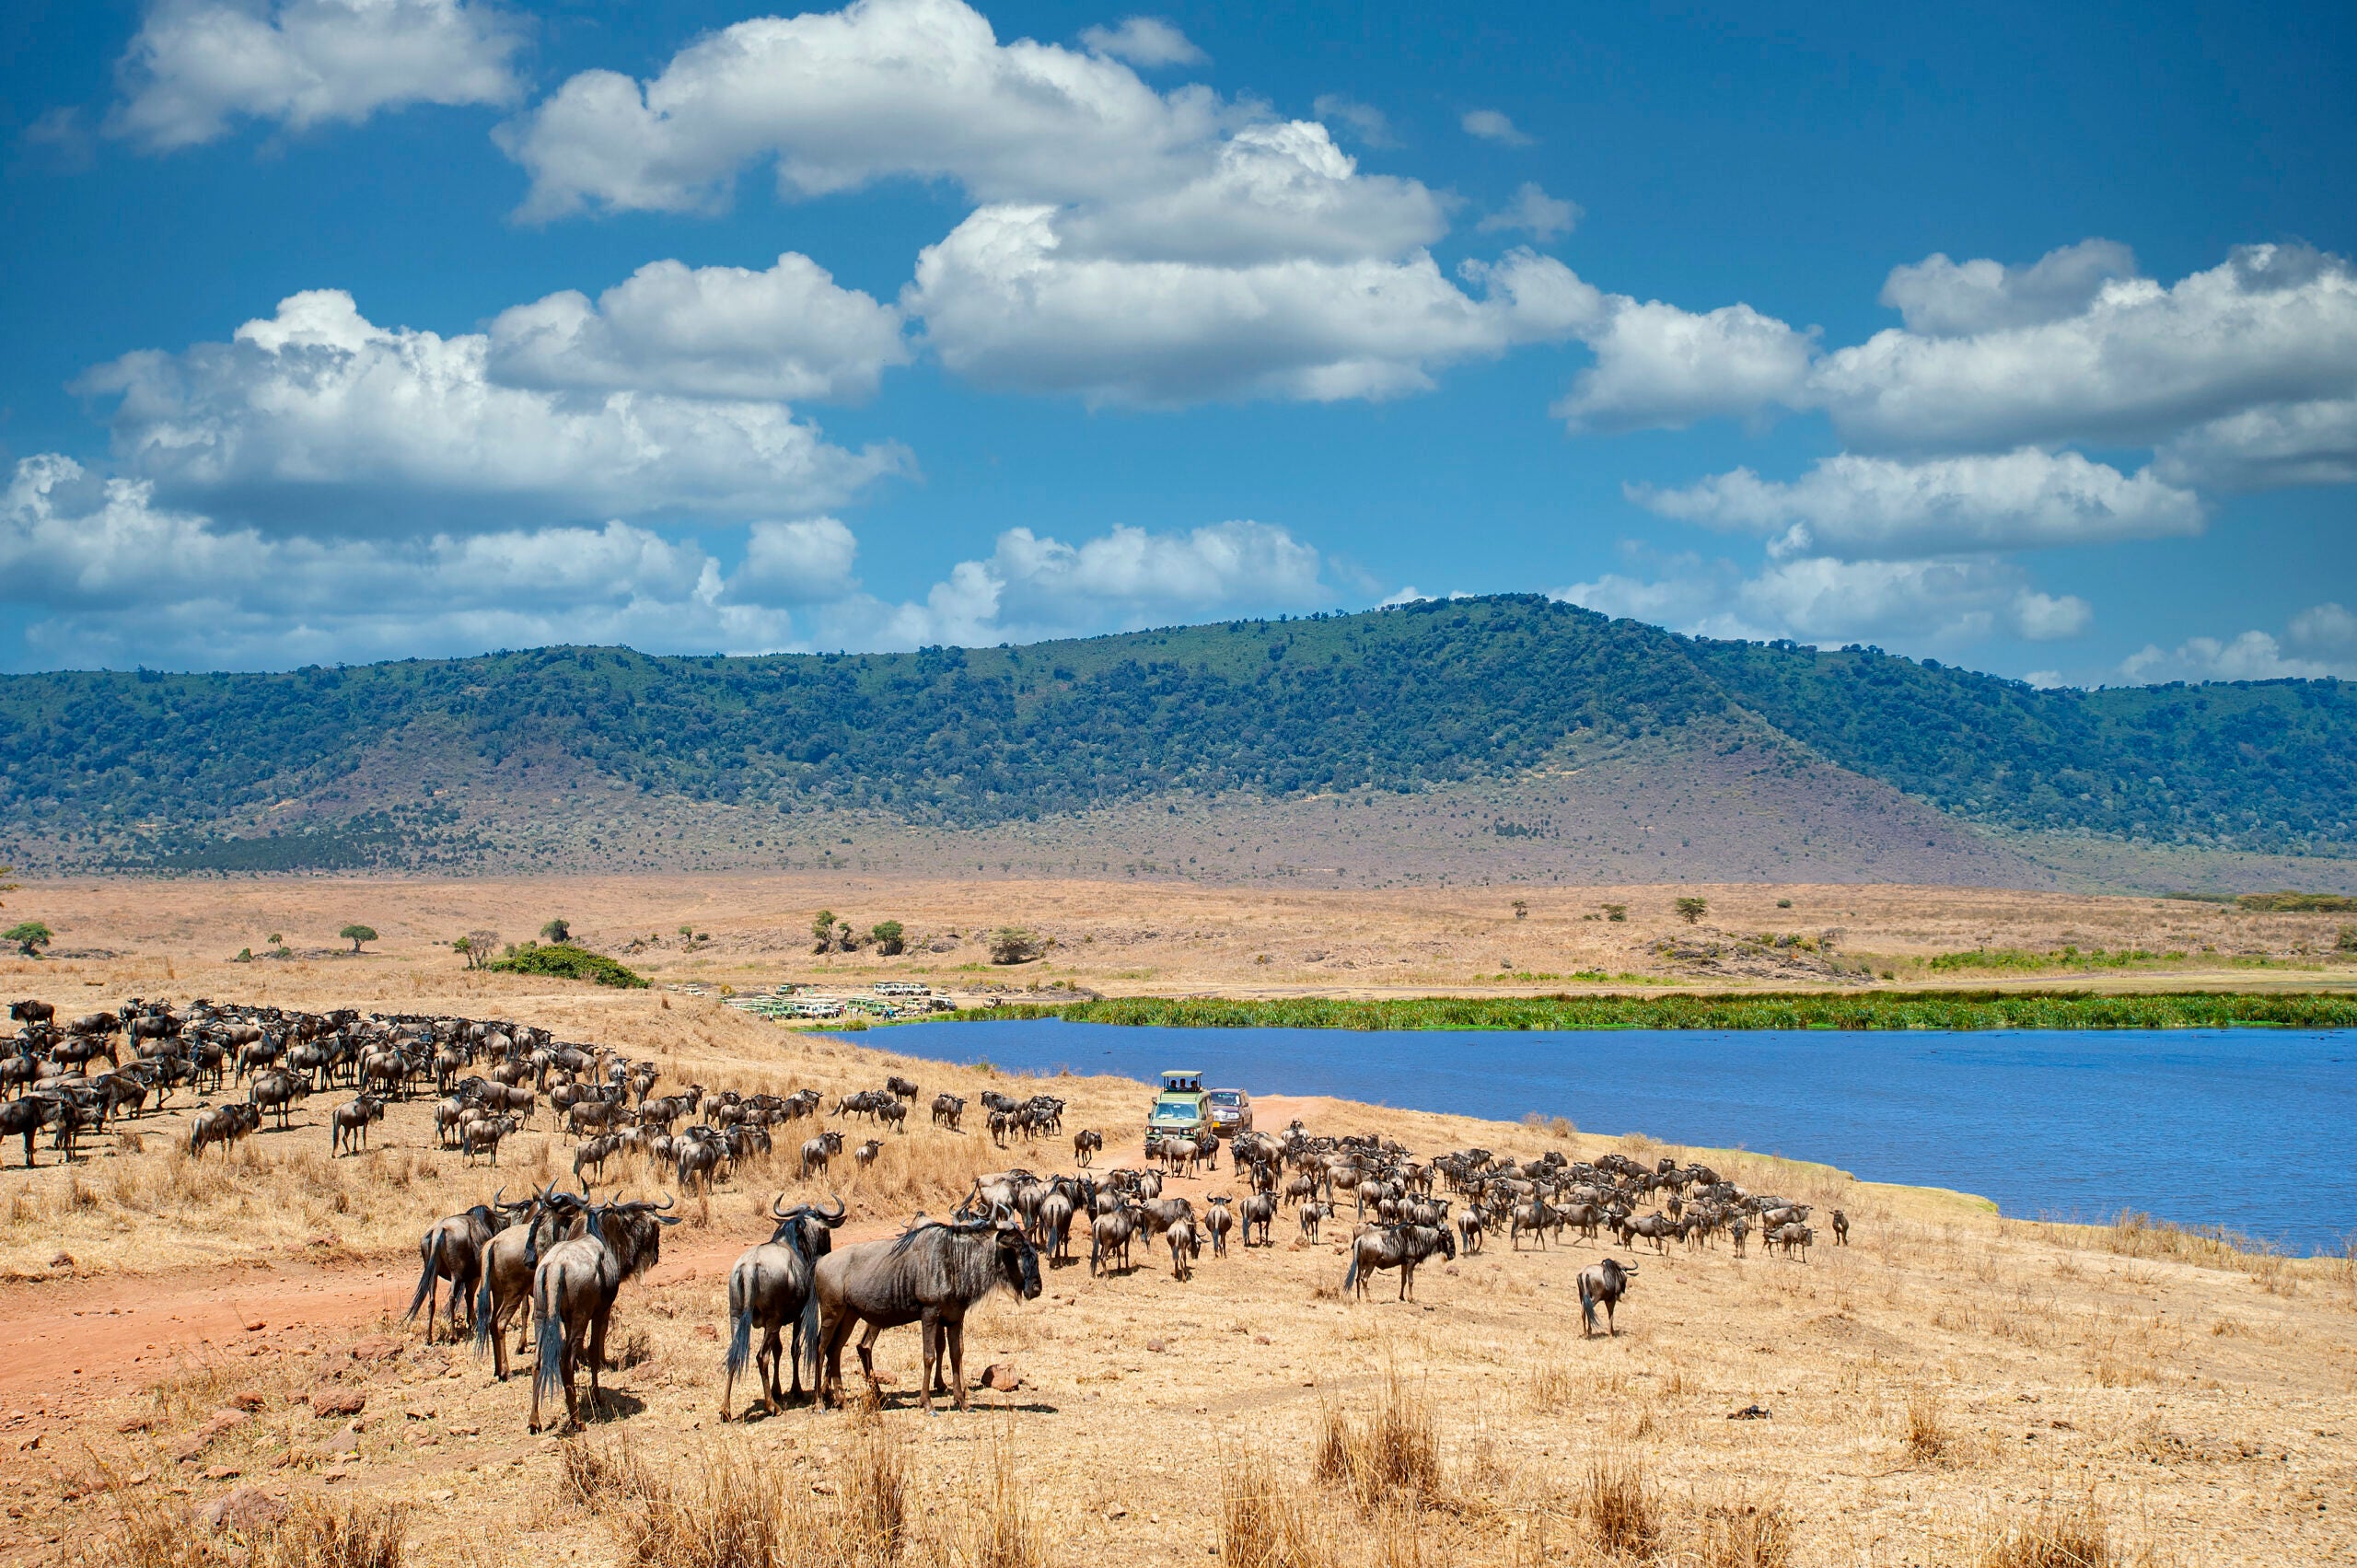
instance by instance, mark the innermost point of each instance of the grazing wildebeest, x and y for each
(1604, 1284)
(348, 1125)
(769, 1288)
(947, 1109)
(276, 1092)
(224, 1124)
(574, 1290)
(451, 1249)
(895, 1115)
(1085, 1146)
(1400, 1247)
(1841, 1228)
(1792, 1237)
(929, 1275)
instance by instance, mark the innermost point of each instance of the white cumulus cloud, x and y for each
(2262, 448)
(1853, 506)
(1658, 364)
(1143, 40)
(881, 89)
(1941, 298)
(789, 333)
(2247, 656)
(316, 408)
(197, 65)
(1367, 124)
(1005, 304)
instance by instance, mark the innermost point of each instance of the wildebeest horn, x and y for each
(837, 1218)
(778, 1207)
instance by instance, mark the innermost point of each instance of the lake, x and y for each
(2248, 1129)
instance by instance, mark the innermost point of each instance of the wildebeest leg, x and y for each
(955, 1331)
(868, 1359)
(765, 1366)
(930, 1323)
(1407, 1278)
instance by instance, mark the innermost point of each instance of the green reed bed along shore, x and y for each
(1762, 1010)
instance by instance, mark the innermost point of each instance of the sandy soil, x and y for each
(2202, 1403)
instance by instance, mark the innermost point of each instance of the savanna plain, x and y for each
(205, 1360)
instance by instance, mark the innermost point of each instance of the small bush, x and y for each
(1393, 1456)
(564, 961)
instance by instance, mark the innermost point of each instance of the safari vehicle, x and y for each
(1231, 1113)
(1181, 1109)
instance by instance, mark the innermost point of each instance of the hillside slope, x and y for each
(547, 757)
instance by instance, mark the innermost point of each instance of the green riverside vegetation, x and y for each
(1759, 1010)
(1397, 699)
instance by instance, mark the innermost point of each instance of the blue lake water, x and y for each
(2249, 1128)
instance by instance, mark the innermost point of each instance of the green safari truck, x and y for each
(1181, 1110)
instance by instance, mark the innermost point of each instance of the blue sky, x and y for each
(2024, 337)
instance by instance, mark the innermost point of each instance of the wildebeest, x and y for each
(1312, 1216)
(31, 1012)
(509, 1259)
(26, 1114)
(224, 1124)
(479, 1137)
(1400, 1247)
(451, 1249)
(1085, 1146)
(574, 1290)
(947, 1109)
(1218, 1222)
(1792, 1238)
(275, 1092)
(1603, 1284)
(1841, 1228)
(929, 1275)
(817, 1151)
(1109, 1234)
(1259, 1211)
(864, 1155)
(348, 1125)
(770, 1287)
(902, 1088)
(1184, 1250)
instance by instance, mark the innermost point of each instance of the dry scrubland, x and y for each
(1129, 937)
(1953, 1389)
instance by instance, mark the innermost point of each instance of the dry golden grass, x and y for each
(1619, 1507)
(2055, 1537)
(1929, 1441)
(2065, 1366)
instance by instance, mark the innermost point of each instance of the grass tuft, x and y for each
(1620, 1508)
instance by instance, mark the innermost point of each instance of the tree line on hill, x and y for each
(1396, 700)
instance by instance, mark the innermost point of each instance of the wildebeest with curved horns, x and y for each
(770, 1286)
(1400, 1247)
(509, 1260)
(1604, 1284)
(573, 1291)
(930, 1275)
(451, 1249)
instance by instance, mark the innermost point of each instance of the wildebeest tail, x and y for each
(482, 1308)
(1587, 1307)
(740, 1333)
(548, 1370)
(805, 1338)
(425, 1272)
(1350, 1278)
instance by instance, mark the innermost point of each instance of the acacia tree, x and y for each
(357, 934)
(1014, 944)
(890, 937)
(1693, 908)
(822, 930)
(558, 930)
(29, 935)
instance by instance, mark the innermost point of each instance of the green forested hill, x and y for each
(1393, 699)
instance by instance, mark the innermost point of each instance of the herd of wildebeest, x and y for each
(551, 1263)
